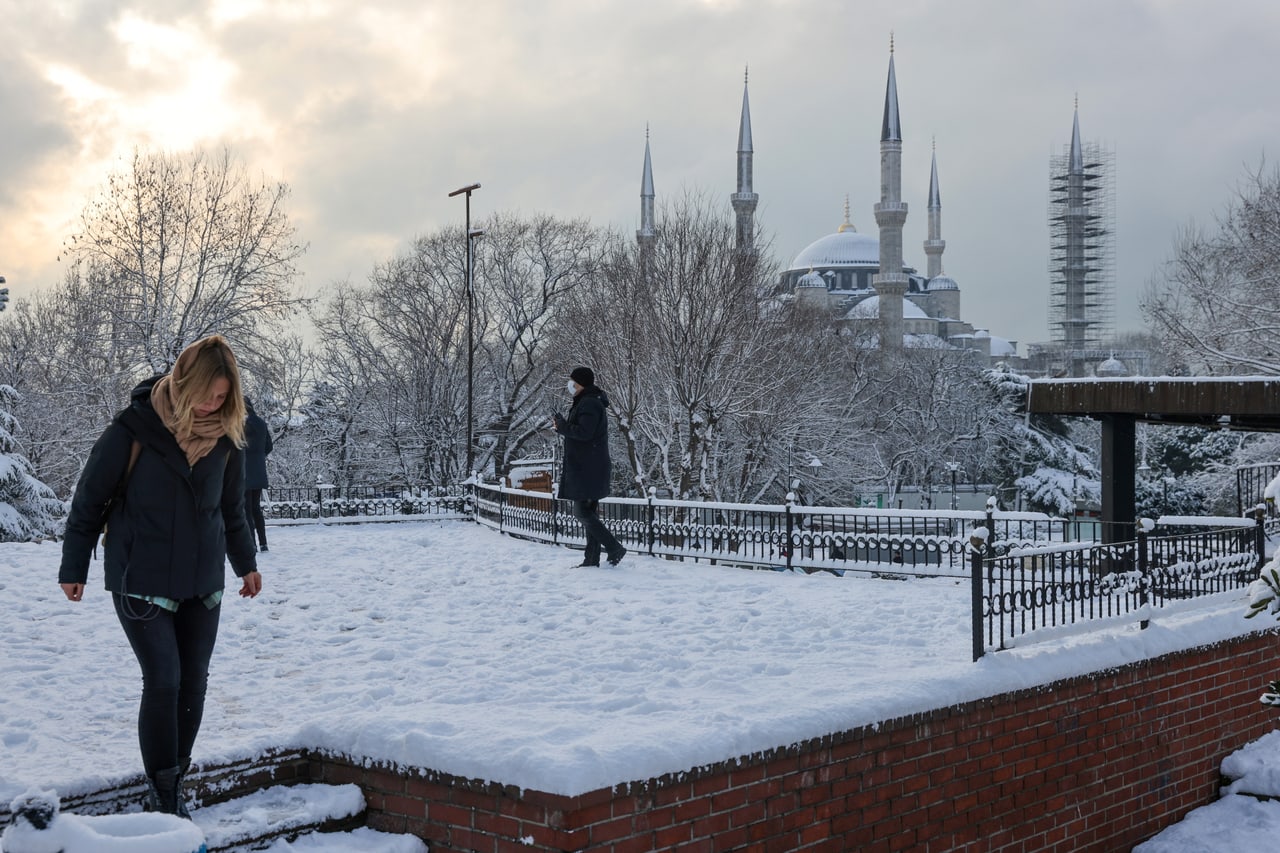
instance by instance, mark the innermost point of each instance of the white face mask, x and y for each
(573, 387)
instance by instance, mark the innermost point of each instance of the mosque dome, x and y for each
(846, 247)
(943, 282)
(1111, 367)
(869, 309)
(812, 278)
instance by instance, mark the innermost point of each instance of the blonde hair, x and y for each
(199, 366)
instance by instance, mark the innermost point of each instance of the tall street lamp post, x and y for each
(471, 456)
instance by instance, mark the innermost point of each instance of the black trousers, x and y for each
(173, 650)
(598, 536)
(253, 513)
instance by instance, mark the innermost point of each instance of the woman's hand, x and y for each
(73, 591)
(252, 585)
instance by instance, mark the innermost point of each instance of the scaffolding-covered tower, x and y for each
(1082, 252)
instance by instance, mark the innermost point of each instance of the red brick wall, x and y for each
(1098, 763)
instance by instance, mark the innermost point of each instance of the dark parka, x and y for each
(172, 531)
(587, 468)
(257, 444)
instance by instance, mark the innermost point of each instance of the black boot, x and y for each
(164, 793)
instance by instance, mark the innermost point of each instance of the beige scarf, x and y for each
(205, 431)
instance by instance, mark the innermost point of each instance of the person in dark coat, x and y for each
(257, 444)
(587, 467)
(167, 479)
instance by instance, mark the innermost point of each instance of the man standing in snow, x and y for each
(587, 467)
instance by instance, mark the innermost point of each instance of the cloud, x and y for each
(373, 112)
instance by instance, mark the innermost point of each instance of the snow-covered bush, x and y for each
(28, 508)
(1264, 593)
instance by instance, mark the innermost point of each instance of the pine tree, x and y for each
(29, 509)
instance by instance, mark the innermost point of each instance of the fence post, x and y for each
(976, 552)
(650, 517)
(555, 513)
(991, 525)
(1260, 534)
(791, 546)
(502, 506)
(1144, 564)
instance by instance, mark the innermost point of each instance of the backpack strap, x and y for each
(135, 450)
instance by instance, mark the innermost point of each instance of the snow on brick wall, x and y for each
(1100, 762)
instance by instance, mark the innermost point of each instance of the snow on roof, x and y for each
(812, 278)
(842, 249)
(869, 309)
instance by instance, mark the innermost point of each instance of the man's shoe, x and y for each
(587, 566)
(616, 556)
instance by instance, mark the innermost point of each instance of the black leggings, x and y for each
(173, 650)
(253, 513)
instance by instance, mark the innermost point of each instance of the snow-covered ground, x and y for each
(449, 646)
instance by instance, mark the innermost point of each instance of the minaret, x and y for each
(646, 234)
(891, 214)
(1081, 250)
(934, 246)
(744, 200)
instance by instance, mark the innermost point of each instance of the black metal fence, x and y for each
(1251, 492)
(1033, 589)
(779, 536)
(324, 501)
(1028, 572)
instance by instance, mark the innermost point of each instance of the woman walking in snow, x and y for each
(167, 480)
(587, 467)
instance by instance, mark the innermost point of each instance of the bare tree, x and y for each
(73, 371)
(525, 270)
(402, 340)
(680, 331)
(186, 247)
(1216, 303)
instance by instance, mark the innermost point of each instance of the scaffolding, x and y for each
(1082, 253)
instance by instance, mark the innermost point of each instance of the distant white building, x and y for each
(844, 271)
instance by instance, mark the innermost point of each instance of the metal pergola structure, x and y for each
(1246, 403)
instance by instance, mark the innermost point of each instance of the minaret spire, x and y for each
(645, 236)
(744, 200)
(891, 127)
(891, 214)
(934, 245)
(1076, 166)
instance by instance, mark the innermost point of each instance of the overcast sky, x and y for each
(374, 110)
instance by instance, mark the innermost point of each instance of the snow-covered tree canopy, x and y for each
(1216, 301)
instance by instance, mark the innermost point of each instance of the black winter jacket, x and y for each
(587, 467)
(257, 444)
(175, 525)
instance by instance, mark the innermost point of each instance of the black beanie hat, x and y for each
(584, 376)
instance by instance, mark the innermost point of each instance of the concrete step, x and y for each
(258, 819)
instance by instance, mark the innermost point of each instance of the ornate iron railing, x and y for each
(1040, 589)
(779, 536)
(322, 502)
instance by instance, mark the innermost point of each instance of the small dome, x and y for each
(1111, 367)
(1003, 348)
(869, 309)
(943, 282)
(842, 249)
(811, 279)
